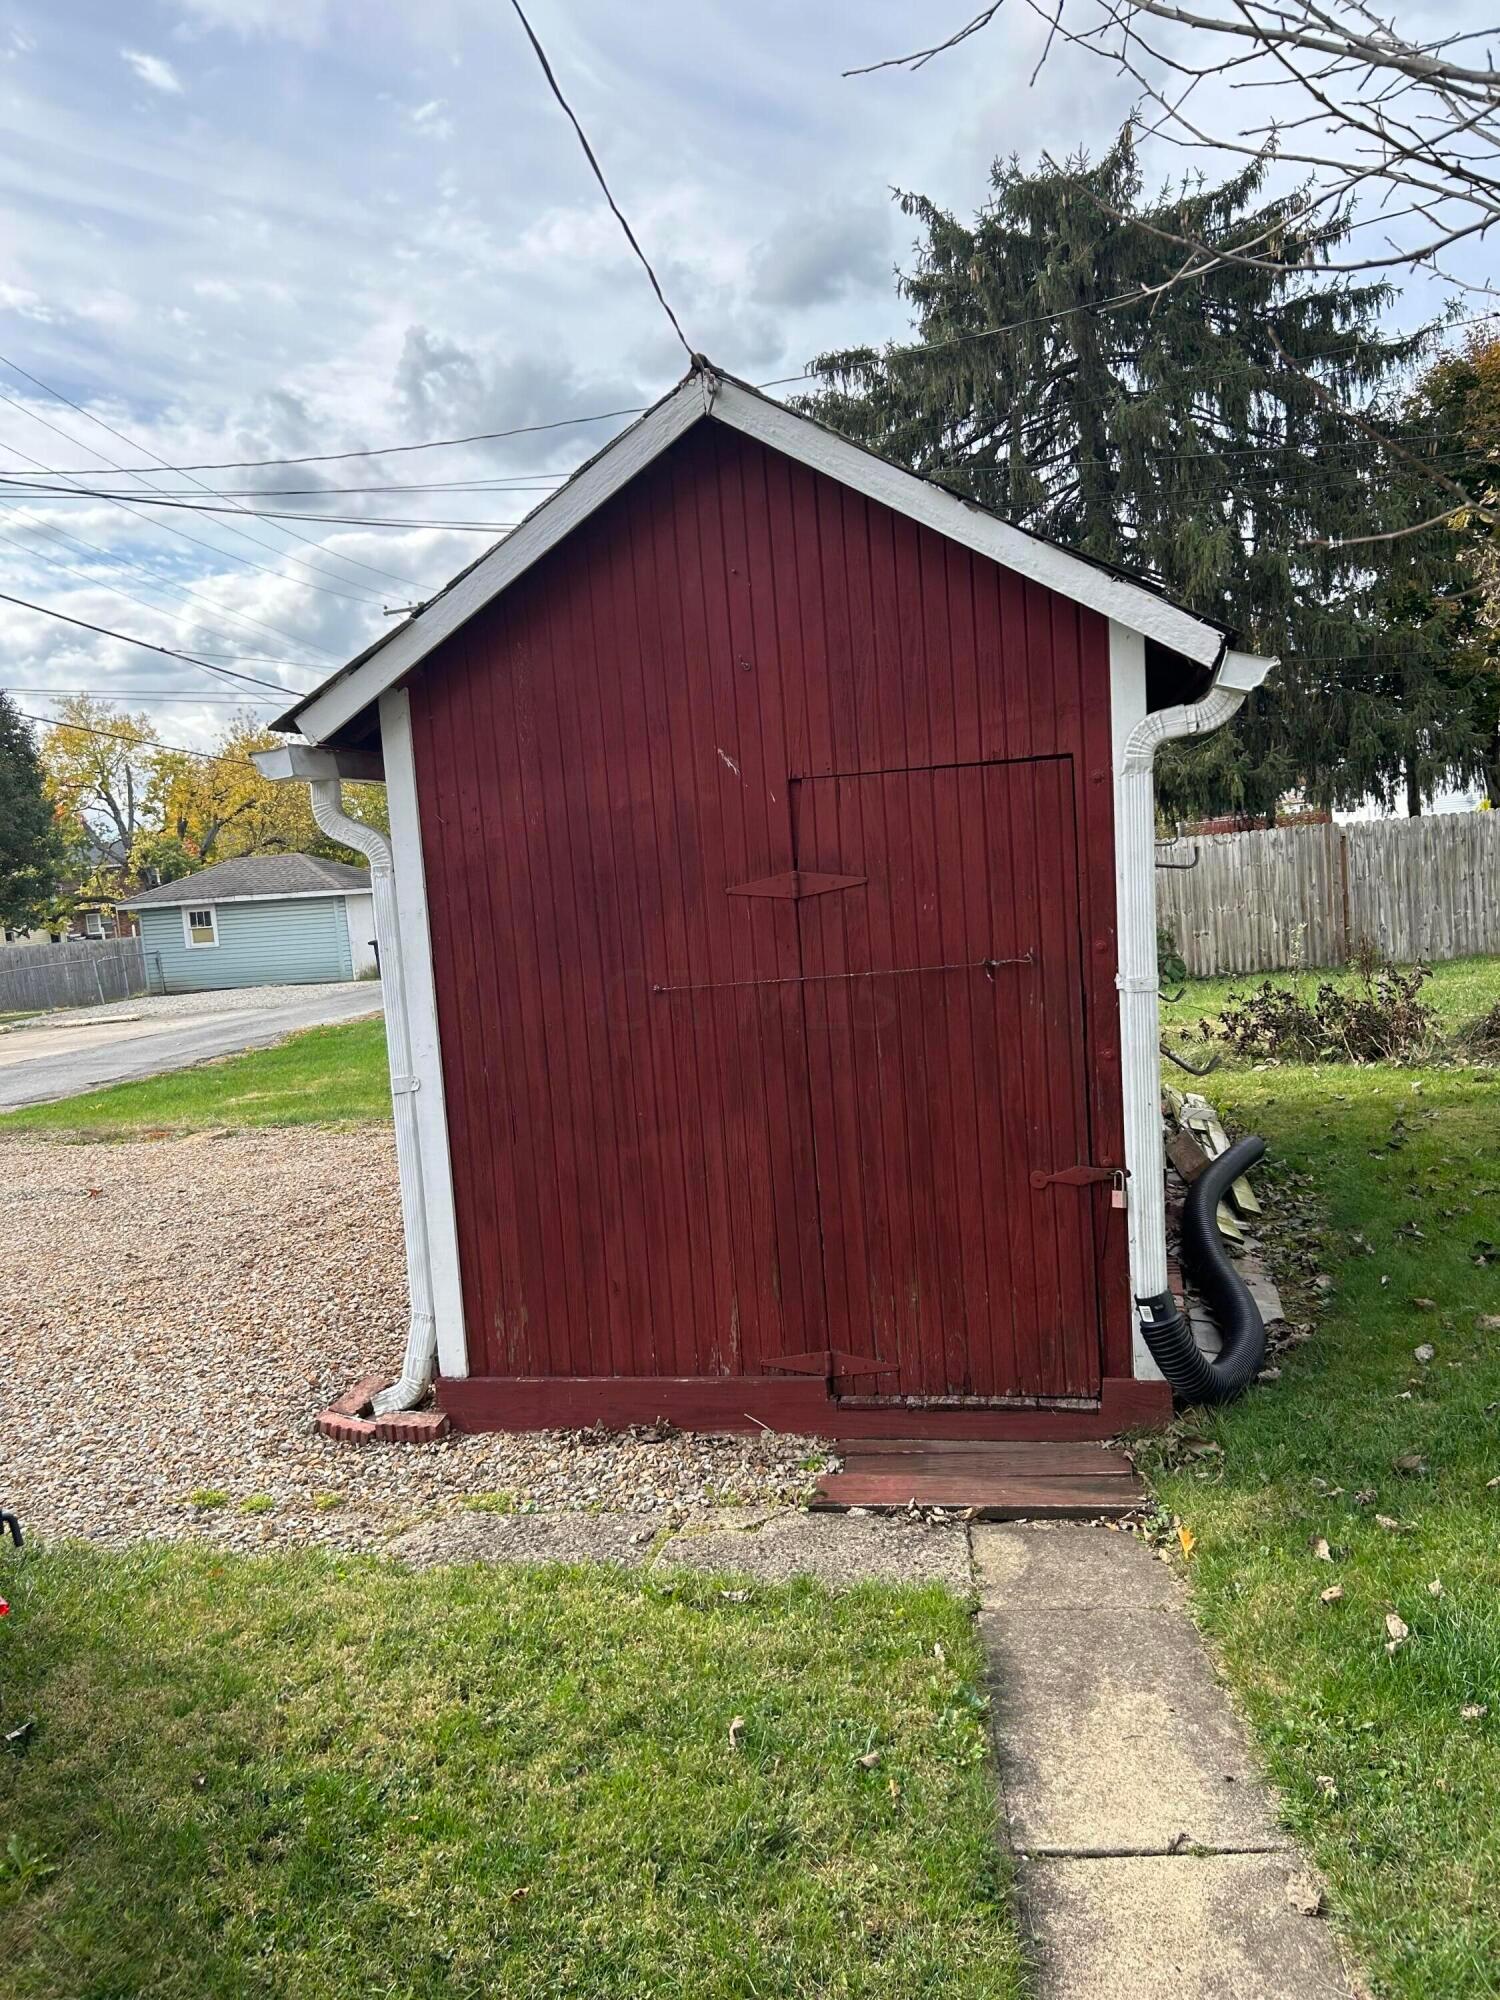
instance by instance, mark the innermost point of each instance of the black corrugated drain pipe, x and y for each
(1195, 1376)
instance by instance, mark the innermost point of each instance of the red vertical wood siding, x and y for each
(657, 713)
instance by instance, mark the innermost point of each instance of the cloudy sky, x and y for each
(241, 229)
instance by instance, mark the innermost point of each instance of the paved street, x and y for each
(63, 1054)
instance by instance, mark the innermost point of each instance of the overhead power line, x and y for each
(145, 694)
(224, 555)
(378, 450)
(598, 172)
(145, 742)
(149, 646)
(16, 368)
(93, 582)
(77, 492)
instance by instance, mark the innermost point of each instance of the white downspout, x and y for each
(416, 1374)
(1136, 976)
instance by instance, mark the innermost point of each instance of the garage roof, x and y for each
(255, 878)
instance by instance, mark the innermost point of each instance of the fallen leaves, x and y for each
(1487, 1322)
(1321, 1549)
(1410, 1464)
(1332, 1594)
(1424, 1353)
(737, 1733)
(1424, 1305)
(1305, 1895)
(1474, 1711)
(868, 1762)
(1187, 1540)
(1397, 1630)
(1435, 1588)
(1392, 1526)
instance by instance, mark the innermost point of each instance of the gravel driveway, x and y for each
(174, 1314)
(79, 1048)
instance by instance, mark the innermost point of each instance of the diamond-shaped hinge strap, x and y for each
(795, 883)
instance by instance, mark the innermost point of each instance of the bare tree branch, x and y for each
(1369, 110)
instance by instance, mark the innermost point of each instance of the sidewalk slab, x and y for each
(1115, 1738)
(1063, 1567)
(1183, 1927)
(837, 1549)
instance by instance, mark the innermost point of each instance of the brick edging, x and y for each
(349, 1419)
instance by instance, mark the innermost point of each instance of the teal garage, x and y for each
(261, 920)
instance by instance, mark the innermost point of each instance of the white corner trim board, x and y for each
(415, 945)
(704, 395)
(1136, 735)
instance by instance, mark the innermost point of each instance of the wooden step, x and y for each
(993, 1482)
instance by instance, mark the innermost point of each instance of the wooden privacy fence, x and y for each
(80, 974)
(1306, 895)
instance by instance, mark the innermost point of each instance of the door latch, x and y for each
(1085, 1177)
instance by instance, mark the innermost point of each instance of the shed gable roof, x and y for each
(706, 396)
(252, 877)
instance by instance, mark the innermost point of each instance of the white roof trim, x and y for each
(202, 902)
(798, 437)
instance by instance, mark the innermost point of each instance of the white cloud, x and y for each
(431, 119)
(304, 21)
(154, 71)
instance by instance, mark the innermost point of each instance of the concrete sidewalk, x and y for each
(61, 1056)
(1150, 1861)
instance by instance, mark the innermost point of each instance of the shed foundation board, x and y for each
(797, 1404)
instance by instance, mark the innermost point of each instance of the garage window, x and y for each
(200, 928)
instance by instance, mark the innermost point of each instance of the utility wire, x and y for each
(598, 171)
(144, 742)
(380, 450)
(166, 527)
(76, 492)
(149, 646)
(390, 577)
(145, 694)
(134, 597)
(564, 423)
(128, 501)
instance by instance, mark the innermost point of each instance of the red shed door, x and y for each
(943, 999)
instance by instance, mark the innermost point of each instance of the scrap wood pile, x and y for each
(1194, 1137)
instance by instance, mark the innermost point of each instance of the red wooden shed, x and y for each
(771, 929)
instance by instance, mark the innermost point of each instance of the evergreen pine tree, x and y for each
(1168, 436)
(30, 845)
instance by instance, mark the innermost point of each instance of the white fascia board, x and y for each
(202, 902)
(799, 438)
(557, 517)
(1043, 562)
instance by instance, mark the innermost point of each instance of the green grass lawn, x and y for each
(1461, 990)
(1394, 1787)
(323, 1076)
(307, 1777)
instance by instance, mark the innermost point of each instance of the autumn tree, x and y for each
(217, 806)
(99, 764)
(31, 850)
